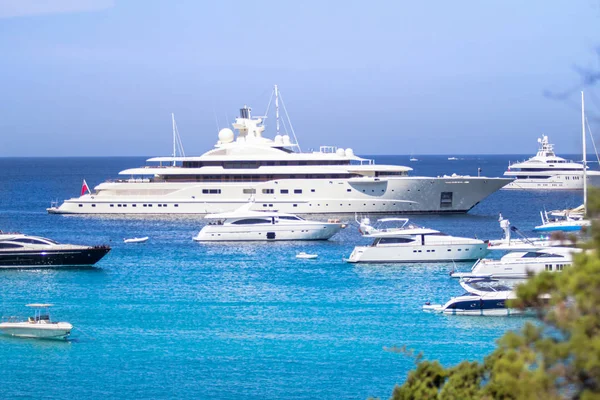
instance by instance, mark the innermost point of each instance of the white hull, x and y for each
(418, 254)
(555, 182)
(318, 196)
(267, 232)
(58, 330)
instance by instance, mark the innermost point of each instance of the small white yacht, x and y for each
(483, 297)
(247, 225)
(407, 242)
(547, 171)
(39, 326)
(519, 264)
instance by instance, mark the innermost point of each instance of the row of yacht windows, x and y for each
(251, 178)
(559, 267)
(257, 164)
(123, 205)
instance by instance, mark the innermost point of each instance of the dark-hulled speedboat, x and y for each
(23, 251)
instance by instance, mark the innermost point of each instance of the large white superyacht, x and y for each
(547, 171)
(276, 175)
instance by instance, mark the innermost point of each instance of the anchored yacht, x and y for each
(410, 243)
(547, 171)
(278, 176)
(246, 225)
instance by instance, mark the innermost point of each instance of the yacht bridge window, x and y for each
(251, 221)
(393, 240)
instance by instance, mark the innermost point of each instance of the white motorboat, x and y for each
(136, 240)
(483, 297)
(245, 224)
(398, 240)
(520, 264)
(330, 180)
(306, 256)
(18, 250)
(39, 326)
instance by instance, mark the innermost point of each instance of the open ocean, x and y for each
(171, 318)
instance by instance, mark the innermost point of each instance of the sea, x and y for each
(174, 319)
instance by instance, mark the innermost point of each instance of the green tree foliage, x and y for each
(557, 357)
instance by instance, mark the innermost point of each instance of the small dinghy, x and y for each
(306, 256)
(136, 240)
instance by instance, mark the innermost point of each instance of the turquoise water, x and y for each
(171, 318)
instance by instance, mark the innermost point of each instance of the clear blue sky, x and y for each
(101, 77)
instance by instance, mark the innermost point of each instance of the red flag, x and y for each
(85, 188)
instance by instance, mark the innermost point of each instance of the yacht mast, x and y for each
(584, 156)
(277, 108)
(174, 138)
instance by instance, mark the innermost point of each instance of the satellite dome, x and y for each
(286, 139)
(349, 152)
(340, 152)
(278, 139)
(226, 135)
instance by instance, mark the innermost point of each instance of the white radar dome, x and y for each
(340, 152)
(226, 135)
(349, 152)
(286, 139)
(278, 139)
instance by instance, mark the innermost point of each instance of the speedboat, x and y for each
(136, 240)
(483, 297)
(244, 162)
(18, 250)
(245, 224)
(39, 326)
(547, 171)
(399, 240)
(520, 264)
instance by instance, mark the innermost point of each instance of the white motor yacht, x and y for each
(519, 264)
(407, 242)
(484, 297)
(327, 180)
(547, 171)
(245, 224)
(38, 326)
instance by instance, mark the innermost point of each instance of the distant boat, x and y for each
(452, 158)
(413, 159)
(136, 240)
(306, 256)
(39, 326)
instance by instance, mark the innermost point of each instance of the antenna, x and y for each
(584, 155)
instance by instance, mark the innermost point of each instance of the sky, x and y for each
(102, 77)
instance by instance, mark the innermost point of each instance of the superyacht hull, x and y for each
(556, 182)
(406, 195)
(46, 258)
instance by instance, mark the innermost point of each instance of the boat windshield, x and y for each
(534, 254)
(489, 286)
